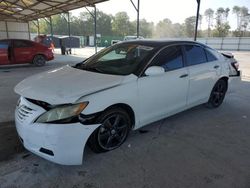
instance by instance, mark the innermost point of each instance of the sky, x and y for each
(175, 10)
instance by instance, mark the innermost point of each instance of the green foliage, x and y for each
(221, 30)
(146, 28)
(209, 15)
(222, 26)
(164, 29)
(242, 20)
(190, 26)
(121, 25)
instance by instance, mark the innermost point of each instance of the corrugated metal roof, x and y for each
(27, 10)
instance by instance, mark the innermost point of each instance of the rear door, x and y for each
(204, 70)
(23, 51)
(5, 52)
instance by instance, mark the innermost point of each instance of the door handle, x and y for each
(184, 75)
(216, 66)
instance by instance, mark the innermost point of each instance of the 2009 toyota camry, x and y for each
(123, 87)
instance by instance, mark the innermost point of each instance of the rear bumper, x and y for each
(49, 58)
(60, 143)
(238, 74)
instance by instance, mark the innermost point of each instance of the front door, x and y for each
(163, 95)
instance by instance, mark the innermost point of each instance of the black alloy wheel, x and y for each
(218, 94)
(39, 60)
(112, 133)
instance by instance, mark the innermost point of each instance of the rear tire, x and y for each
(39, 60)
(113, 132)
(218, 94)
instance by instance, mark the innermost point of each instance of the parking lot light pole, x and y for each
(95, 22)
(95, 30)
(29, 29)
(197, 19)
(7, 29)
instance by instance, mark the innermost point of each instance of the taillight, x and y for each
(235, 65)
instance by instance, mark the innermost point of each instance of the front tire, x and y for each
(218, 94)
(113, 132)
(39, 60)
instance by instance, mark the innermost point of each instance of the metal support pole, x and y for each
(38, 28)
(51, 26)
(138, 16)
(69, 30)
(138, 19)
(29, 29)
(7, 30)
(197, 19)
(95, 30)
(95, 23)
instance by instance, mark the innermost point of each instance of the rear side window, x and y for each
(22, 44)
(210, 55)
(170, 58)
(195, 55)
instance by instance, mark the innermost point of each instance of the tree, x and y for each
(178, 30)
(209, 14)
(190, 26)
(222, 27)
(121, 25)
(237, 10)
(146, 28)
(242, 21)
(164, 29)
(103, 20)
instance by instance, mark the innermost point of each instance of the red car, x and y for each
(19, 51)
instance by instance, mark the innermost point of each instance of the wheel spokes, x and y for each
(105, 135)
(113, 131)
(117, 120)
(109, 141)
(218, 94)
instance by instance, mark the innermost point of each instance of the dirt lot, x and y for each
(196, 148)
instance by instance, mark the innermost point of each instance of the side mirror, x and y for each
(154, 70)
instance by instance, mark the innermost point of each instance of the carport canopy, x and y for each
(28, 10)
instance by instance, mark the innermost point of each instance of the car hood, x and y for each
(65, 85)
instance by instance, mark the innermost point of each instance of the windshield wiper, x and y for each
(79, 65)
(92, 69)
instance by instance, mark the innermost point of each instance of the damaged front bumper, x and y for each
(60, 143)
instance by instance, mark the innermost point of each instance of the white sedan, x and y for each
(123, 87)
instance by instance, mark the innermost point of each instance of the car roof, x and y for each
(160, 43)
(16, 39)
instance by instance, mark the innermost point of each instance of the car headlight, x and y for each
(62, 113)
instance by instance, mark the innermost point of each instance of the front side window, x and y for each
(170, 58)
(195, 55)
(121, 59)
